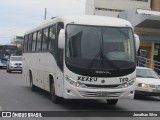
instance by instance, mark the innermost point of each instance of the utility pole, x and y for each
(45, 15)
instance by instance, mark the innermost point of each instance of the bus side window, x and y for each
(45, 39)
(23, 44)
(34, 41)
(39, 40)
(26, 44)
(30, 42)
(52, 38)
(59, 55)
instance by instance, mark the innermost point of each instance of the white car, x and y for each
(14, 64)
(148, 82)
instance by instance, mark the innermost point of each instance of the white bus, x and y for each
(82, 57)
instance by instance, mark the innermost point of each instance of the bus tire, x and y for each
(54, 98)
(135, 96)
(33, 87)
(112, 101)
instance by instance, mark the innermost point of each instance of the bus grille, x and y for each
(101, 86)
(18, 64)
(100, 94)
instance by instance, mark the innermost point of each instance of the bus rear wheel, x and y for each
(112, 101)
(33, 87)
(54, 97)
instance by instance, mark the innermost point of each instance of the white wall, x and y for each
(90, 7)
(113, 4)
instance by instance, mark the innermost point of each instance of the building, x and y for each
(18, 41)
(155, 5)
(114, 7)
(144, 15)
(147, 25)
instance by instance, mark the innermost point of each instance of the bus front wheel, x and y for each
(32, 86)
(54, 97)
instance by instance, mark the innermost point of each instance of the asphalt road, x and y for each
(15, 95)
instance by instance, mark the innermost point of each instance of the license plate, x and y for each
(102, 94)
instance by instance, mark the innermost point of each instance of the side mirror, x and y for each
(137, 41)
(61, 39)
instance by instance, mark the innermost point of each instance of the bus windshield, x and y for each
(100, 51)
(7, 50)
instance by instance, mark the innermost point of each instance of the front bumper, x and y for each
(72, 92)
(15, 68)
(147, 93)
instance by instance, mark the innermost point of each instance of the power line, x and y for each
(45, 14)
(49, 14)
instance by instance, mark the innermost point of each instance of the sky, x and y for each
(18, 16)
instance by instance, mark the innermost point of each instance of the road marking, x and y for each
(0, 108)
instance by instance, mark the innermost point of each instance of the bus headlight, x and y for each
(74, 82)
(127, 84)
(143, 85)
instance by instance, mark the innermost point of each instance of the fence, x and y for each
(144, 62)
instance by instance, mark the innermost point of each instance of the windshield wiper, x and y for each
(111, 63)
(103, 58)
(94, 59)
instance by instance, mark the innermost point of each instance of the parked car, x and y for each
(3, 62)
(14, 64)
(148, 82)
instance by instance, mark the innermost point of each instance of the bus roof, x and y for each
(85, 20)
